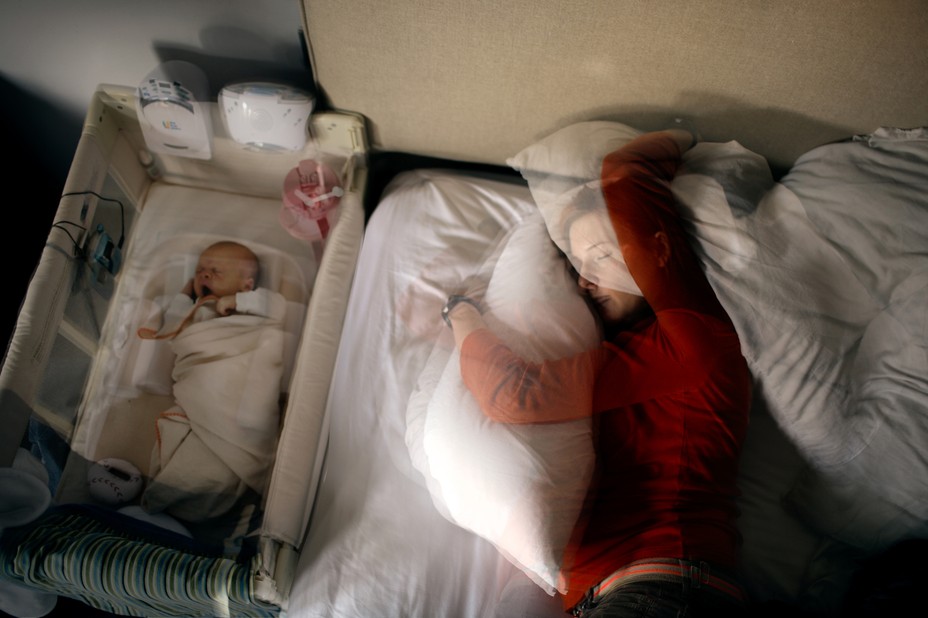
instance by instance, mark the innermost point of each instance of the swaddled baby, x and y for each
(219, 440)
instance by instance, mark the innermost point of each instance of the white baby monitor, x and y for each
(266, 116)
(173, 110)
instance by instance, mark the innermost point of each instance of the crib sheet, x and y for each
(377, 545)
(131, 382)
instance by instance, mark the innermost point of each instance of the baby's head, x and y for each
(225, 268)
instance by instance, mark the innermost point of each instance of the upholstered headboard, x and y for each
(477, 80)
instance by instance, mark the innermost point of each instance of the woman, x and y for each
(669, 389)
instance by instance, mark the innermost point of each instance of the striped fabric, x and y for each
(76, 555)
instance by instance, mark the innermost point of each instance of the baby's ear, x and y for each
(248, 285)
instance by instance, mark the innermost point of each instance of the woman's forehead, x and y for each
(591, 229)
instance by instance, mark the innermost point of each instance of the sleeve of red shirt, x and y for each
(636, 186)
(512, 390)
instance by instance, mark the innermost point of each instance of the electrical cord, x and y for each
(122, 211)
(78, 252)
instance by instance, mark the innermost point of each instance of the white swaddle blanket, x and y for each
(219, 440)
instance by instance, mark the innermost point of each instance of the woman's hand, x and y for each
(465, 318)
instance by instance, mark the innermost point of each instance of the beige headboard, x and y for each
(477, 80)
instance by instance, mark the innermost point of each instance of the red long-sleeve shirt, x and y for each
(670, 395)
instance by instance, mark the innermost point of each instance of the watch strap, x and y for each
(453, 301)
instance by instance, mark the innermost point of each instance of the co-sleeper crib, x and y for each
(78, 385)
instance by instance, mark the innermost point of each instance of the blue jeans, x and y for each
(677, 597)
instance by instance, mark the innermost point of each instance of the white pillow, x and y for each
(519, 486)
(569, 156)
(716, 184)
(559, 167)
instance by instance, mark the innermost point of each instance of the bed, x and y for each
(807, 115)
(380, 540)
(94, 387)
(779, 198)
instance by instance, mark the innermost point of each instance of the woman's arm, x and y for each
(636, 184)
(510, 389)
(684, 139)
(465, 319)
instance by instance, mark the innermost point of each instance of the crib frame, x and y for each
(107, 163)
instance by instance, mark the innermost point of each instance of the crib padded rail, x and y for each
(80, 552)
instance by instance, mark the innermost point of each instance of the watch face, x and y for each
(446, 310)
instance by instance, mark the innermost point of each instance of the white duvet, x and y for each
(844, 350)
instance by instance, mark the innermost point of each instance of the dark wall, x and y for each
(39, 145)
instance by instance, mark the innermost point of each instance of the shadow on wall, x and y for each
(233, 55)
(40, 132)
(40, 142)
(780, 135)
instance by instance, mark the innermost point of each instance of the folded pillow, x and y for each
(569, 157)
(564, 168)
(717, 184)
(520, 487)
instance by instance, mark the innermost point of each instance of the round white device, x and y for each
(114, 481)
(266, 116)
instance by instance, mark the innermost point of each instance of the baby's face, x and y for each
(222, 273)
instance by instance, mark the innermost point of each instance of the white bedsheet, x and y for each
(376, 544)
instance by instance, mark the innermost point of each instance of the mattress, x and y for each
(132, 383)
(376, 544)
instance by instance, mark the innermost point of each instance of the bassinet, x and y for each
(78, 386)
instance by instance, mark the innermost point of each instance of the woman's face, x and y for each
(615, 308)
(603, 274)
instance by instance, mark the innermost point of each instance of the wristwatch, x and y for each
(453, 301)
